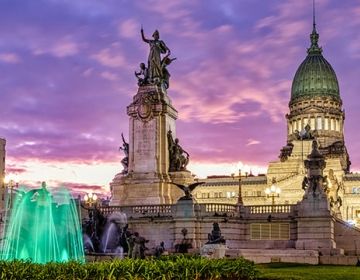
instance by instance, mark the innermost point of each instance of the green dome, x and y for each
(315, 76)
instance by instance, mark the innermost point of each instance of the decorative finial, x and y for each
(314, 23)
(314, 38)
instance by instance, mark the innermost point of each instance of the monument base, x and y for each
(213, 251)
(141, 189)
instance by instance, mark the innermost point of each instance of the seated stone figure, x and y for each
(178, 157)
(215, 236)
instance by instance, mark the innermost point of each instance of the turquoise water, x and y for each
(43, 227)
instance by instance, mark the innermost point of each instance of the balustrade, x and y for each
(262, 209)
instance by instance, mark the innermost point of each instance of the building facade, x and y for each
(315, 112)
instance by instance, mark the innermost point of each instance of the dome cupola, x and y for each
(315, 76)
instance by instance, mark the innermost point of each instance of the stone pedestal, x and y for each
(147, 182)
(186, 208)
(213, 251)
(141, 189)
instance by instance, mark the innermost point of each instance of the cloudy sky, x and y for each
(67, 76)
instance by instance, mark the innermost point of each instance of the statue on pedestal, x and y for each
(188, 189)
(215, 236)
(125, 160)
(156, 71)
(178, 157)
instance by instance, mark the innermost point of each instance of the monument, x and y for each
(153, 158)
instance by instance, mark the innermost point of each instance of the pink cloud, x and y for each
(59, 48)
(110, 58)
(129, 28)
(108, 76)
(251, 142)
(9, 58)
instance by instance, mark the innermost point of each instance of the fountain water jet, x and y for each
(43, 227)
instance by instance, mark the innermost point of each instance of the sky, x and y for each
(67, 75)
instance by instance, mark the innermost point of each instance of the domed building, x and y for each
(316, 102)
(315, 112)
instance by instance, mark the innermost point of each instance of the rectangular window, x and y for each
(258, 193)
(270, 231)
(312, 123)
(319, 123)
(203, 195)
(326, 124)
(299, 125)
(216, 195)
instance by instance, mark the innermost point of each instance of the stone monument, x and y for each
(316, 219)
(154, 159)
(215, 247)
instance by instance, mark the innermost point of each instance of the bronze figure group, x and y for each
(178, 157)
(155, 72)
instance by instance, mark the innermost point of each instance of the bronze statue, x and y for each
(306, 133)
(125, 160)
(178, 157)
(138, 250)
(188, 189)
(164, 72)
(215, 236)
(142, 75)
(157, 47)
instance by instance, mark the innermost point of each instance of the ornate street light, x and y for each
(90, 199)
(10, 184)
(273, 192)
(240, 200)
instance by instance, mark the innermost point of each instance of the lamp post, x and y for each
(10, 184)
(90, 200)
(273, 192)
(240, 200)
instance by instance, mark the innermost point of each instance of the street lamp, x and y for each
(90, 199)
(273, 192)
(240, 200)
(10, 183)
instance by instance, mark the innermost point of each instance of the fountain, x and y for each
(105, 235)
(42, 227)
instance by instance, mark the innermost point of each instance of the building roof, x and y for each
(352, 177)
(315, 76)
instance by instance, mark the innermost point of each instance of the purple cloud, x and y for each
(67, 74)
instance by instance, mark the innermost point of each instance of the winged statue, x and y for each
(188, 189)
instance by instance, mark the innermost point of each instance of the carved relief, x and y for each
(147, 104)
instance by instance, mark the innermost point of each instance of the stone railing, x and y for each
(219, 208)
(139, 210)
(266, 209)
(152, 209)
(205, 209)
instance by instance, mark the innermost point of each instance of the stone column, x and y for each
(147, 182)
